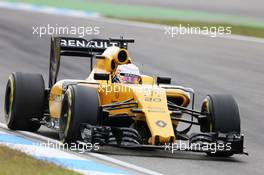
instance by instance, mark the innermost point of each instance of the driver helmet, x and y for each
(127, 74)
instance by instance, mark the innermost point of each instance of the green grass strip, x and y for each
(138, 11)
(13, 162)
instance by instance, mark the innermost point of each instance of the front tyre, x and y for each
(80, 105)
(222, 115)
(24, 100)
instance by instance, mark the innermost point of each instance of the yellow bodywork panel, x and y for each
(145, 79)
(153, 102)
(150, 98)
(178, 96)
(55, 100)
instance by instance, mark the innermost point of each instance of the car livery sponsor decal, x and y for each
(79, 42)
(161, 123)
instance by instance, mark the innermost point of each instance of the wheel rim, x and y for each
(206, 108)
(9, 99)
(66, 116)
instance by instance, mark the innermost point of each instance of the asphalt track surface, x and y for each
(207, 64)
(248, 8)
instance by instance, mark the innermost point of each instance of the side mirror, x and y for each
(101, 76)
(163, 80)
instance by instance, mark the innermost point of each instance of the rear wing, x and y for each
(79, 47)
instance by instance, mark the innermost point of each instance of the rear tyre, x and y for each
(80, 105)
(222, 116)
(24, 100)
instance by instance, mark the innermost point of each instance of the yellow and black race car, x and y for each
(118, 106)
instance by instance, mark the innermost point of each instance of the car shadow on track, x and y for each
(44, 131)
(112, 151)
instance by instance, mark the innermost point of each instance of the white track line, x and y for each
(243, 38)
(41, 151)
(96, 17)
(95, 155)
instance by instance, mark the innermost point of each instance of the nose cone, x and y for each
(153, 102)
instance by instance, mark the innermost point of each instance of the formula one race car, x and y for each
(118, 106)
